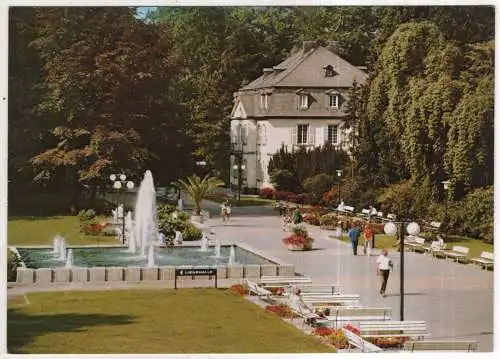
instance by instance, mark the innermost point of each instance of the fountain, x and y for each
(69, 260)
(151, 256)
(57, 244)
(232, 255)
(62, 250)
(217, 249)
(145, 231)
(129, 227)
(204, 243)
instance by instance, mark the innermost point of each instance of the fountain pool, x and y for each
(120, 257)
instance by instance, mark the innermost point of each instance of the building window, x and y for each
(333, 134)
(302, 132)
(264, 101)
(303, 101)
(333, 101)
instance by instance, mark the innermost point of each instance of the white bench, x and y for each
(328, 301)
(346, 209)
(340, 315)
(262, 293)
(389, 328)
(279, 282)
(391, 216)
(365, 212)
(438, 345)
(318, 289)
(457, 253)
(415, 243)
(485, 259)
(356, 341)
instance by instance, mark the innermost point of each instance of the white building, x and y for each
(300, 102)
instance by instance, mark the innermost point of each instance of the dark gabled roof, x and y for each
(307, 69)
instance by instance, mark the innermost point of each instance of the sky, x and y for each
(143, 10)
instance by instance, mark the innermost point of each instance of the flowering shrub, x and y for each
(93, 229)
(312, 218)
(329, 220)
(338, 339)
(323, 331)
(387, 342)
(284, 195)
(299, 238)
(267, 192)
(239, 289)
(281, 310)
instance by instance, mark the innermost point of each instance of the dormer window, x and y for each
(302, 99)
(303, 102)
(333, 101)
(329, 71)
(264, 101)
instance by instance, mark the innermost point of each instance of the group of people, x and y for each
(354, 235)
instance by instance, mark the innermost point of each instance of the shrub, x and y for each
(338, 339)
(281, 310)
(300, 237)
(267, 193)
(323, 331)
(13, 262)
(191, 232)
(86, 216)
(284, 180)
(239, 289)
(88, 222)
(329, 220)
(318, 184)
(312, 218)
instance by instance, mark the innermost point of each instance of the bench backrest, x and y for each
(435, 224)
(365, 211)
(415, 239)
(380, 214)
(462, 345)
(348, 208)
(284, 280)
(325, 288)
(391, 326)
(460, 249)
(391, 216)
(361, 311)
(487, 255)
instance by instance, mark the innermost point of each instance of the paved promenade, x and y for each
(455, 300)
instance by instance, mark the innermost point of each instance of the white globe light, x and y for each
(130, 184)
(112, 177)
(123, 177)
(390, 228)
(117, 185)
(413, 228)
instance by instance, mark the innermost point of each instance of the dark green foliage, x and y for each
(318, 184)
(293, 168)
(168, 225)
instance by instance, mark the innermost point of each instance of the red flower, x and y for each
(323, 331)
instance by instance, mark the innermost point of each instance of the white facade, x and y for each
(259, 140)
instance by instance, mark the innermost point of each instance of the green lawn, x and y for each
(244, 200)
(149, 321)
(475, 246)
(41, 230)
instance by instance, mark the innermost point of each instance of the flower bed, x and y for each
(281, 310)
(332, 336)
(239, 289)
(387, 342)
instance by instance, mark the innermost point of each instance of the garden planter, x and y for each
(299, 247)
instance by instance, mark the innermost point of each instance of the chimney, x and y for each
(308, 45)
(333, 46)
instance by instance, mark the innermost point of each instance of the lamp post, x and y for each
(393, 228)
(339, 174)
(119, 182)
(446, 185)
(201, 164)
(240, 168)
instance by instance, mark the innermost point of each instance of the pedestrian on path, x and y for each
(384, 265)
(354, 234)
(368, 236)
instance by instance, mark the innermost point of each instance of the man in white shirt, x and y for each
(384, 264)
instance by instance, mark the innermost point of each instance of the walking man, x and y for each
(384, 264)
(354, 234)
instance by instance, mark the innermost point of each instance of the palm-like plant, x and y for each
(197, 188)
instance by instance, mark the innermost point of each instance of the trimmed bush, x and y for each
(13, 262)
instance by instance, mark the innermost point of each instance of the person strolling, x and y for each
(384, 265)
(354, 234)
(368, 238)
